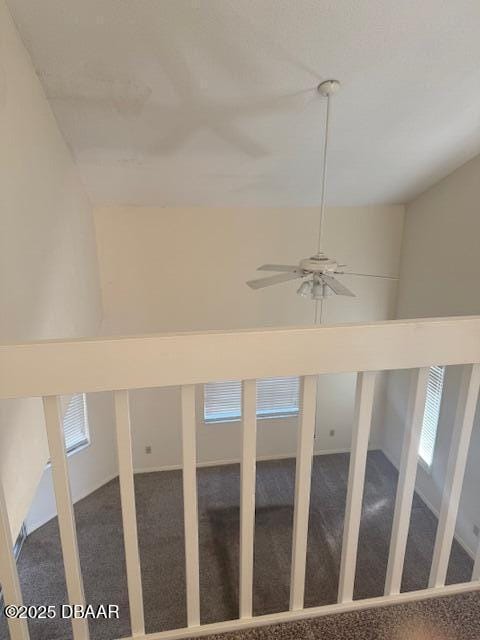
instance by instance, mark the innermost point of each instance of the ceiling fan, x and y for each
(318, 271)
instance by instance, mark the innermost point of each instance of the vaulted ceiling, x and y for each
(213, 102)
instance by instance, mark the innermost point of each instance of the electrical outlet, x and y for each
(332, 432)
(476, 530)
(148, 449)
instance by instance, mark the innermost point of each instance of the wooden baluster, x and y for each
(476, 566)
(9, 582)
(303, 479)
(129, 516)
(66, 517)
(190, 504)
(462, 429)
(247, 495)
(406, 479)
(356, 479)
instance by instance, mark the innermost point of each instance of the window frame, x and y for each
(427, 466)
(84, 443)
(271, 415)
(81, 445)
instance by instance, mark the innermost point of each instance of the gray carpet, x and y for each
(448, 618)
(159, 507)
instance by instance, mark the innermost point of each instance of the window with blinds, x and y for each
(276, 398)
(432, 414)
(75, 422)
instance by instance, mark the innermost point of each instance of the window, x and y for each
(276, 398)
(75, 423)
(431, 415)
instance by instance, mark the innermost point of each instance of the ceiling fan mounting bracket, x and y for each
(319, 263)
(328, 87)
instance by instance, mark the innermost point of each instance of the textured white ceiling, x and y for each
(212, 102)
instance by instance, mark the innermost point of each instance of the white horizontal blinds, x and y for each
(432, 413)
(275, 397)
(75, 424)
(222, 401)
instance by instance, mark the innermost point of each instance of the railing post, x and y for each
(406, 479)
(476, 566)
(9, 582)
(303, 479)
(356, 479)
(190, 504)
(66, 517)
(457, 459)
(247, 496)
(129, 517)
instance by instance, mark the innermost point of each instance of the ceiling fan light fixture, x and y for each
(318, 290)
(305, 289)
(317, 272)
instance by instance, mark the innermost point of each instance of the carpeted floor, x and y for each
(160, 526)
(448, 618)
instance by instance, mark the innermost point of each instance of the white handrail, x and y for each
(107, 364)
(53, 368)
(228, 626)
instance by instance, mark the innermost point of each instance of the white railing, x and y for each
(53, 368)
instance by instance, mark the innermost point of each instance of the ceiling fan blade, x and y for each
(278, 267)
(337, 287)
(267, 282)
(369, 275)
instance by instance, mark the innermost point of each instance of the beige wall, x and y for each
(173, 269)
(48, 266)
(89, 467)
(166, 269)
(440, 255)
(440, 276)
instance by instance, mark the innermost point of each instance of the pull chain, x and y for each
(318, 314)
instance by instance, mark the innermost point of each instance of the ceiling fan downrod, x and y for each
(326, 89)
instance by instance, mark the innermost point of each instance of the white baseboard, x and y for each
(220, 463)
(465, 546)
